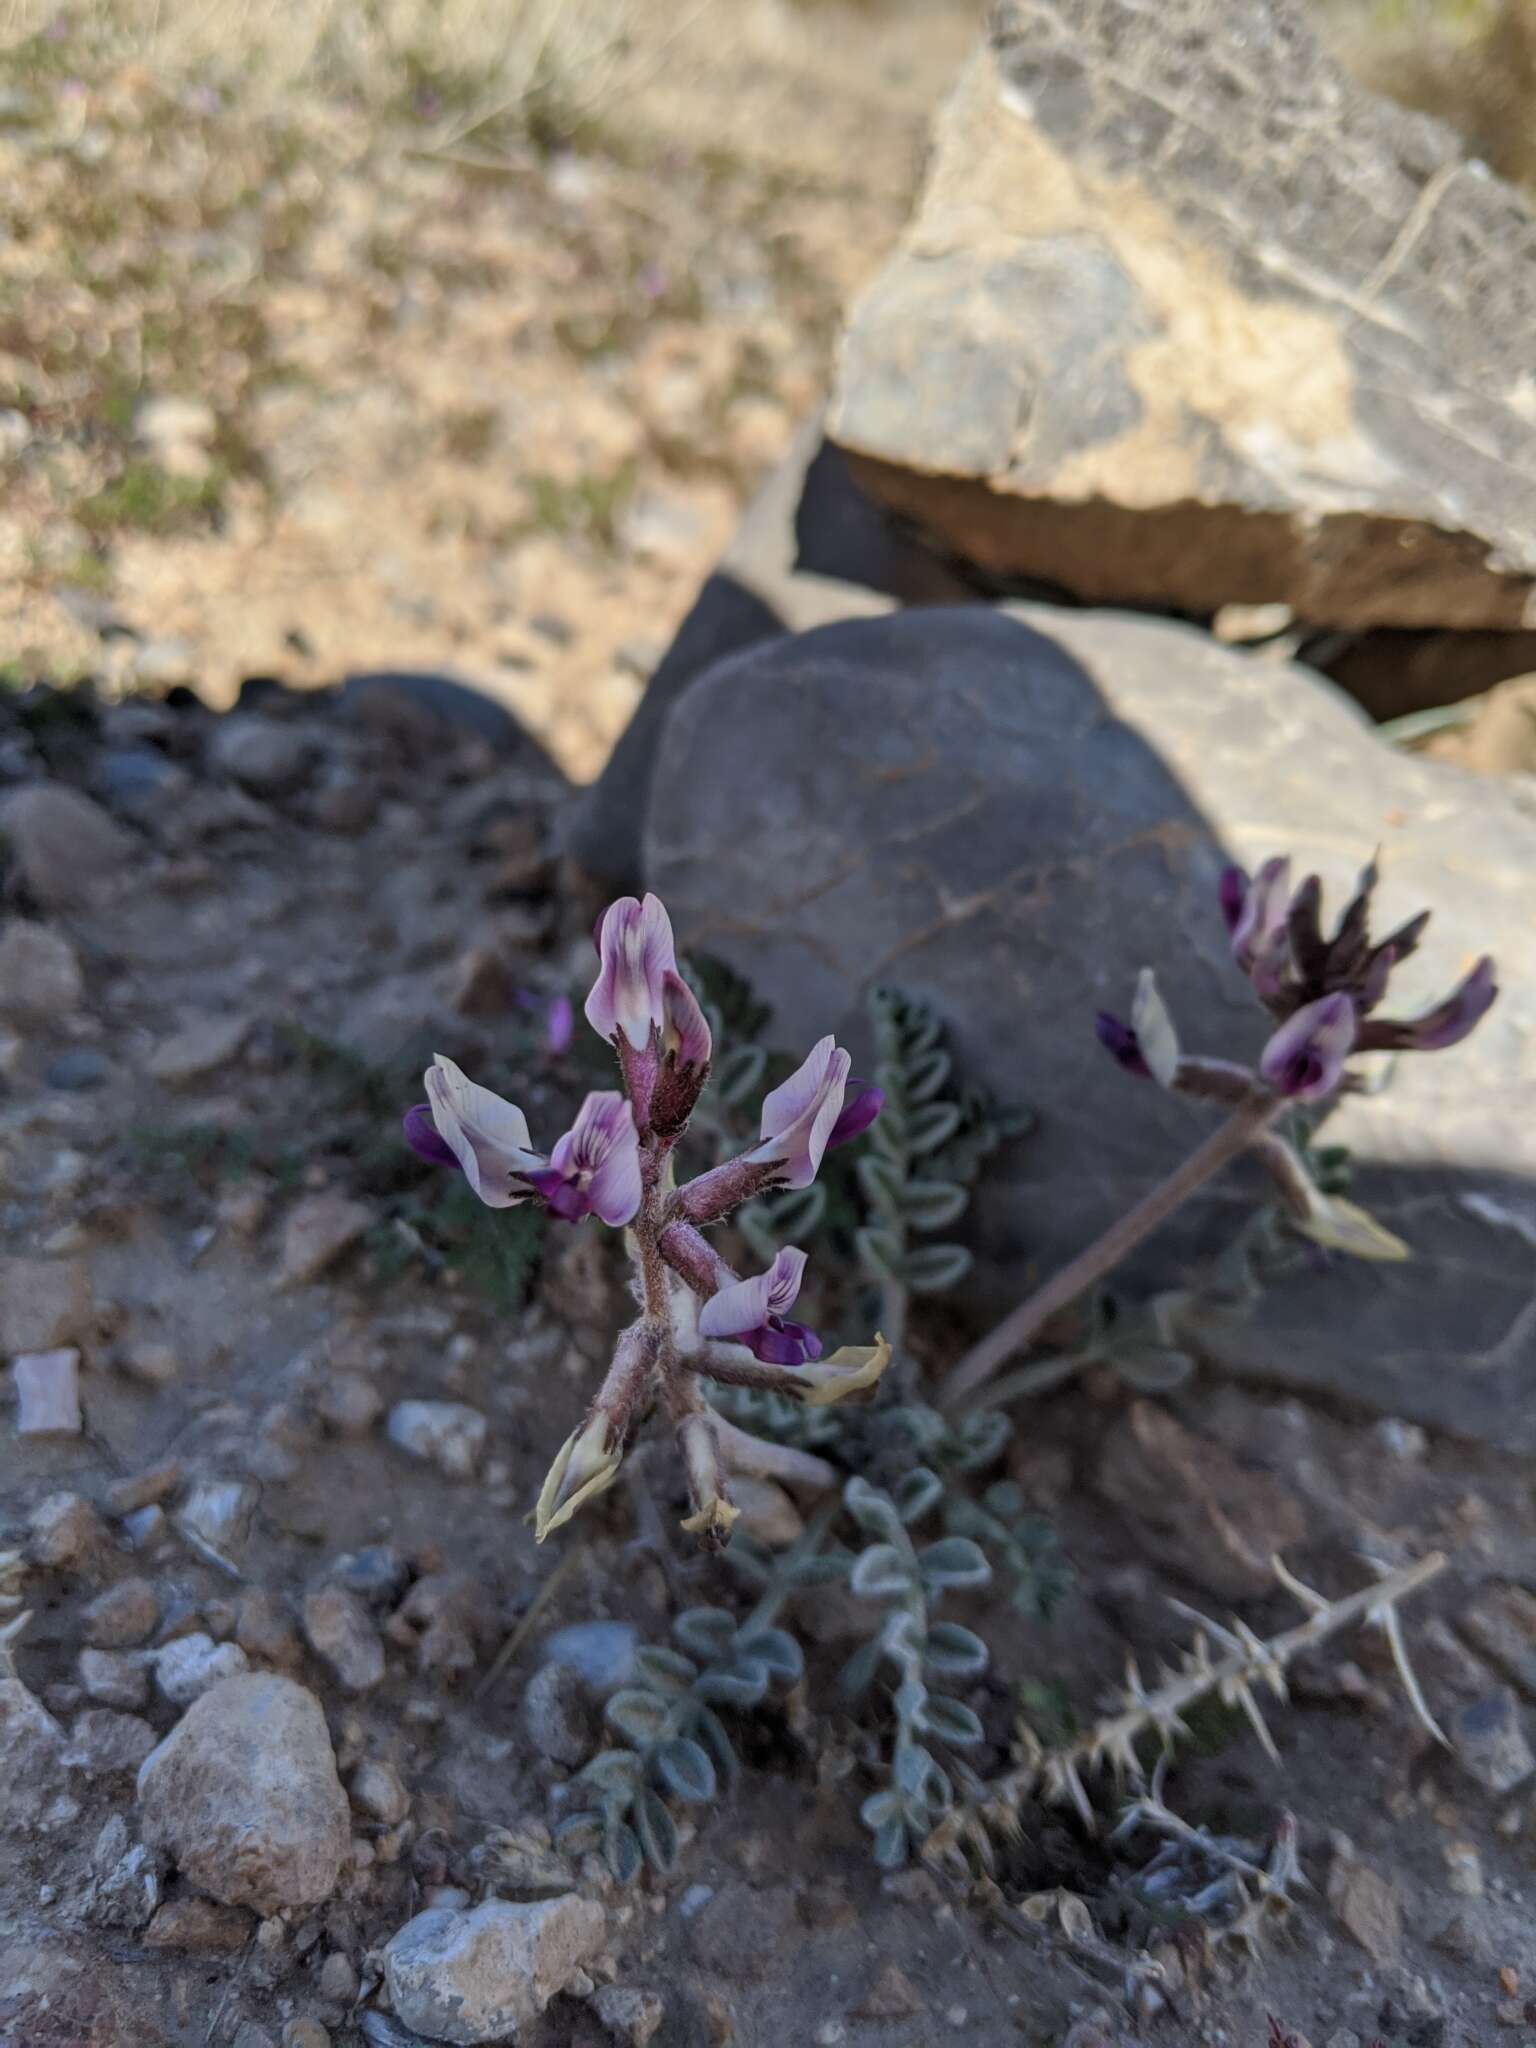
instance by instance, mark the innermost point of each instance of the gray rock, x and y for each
(267, 756)
(319, 1229)
(1009, 812)
(631, 2016)
(377, 1574)
(114, 1678)
(337, 1626)
(40, 978)
(198, 1048)
(479, 1976)
(1490, 1742)
(811, 548)
(138, 780)
(65, 1534)
(190, 1666)
(32, 1743)
(45, 1304)
(416, 703)
(601, 1653)
(449, 1434)
(122, 1616)
(219, 1511)
(127, 1887)
(1082, 362)
(77, 1069)
(378, 1793)
(102, 1743)
(64, 844)
(47, 1392)
(557, 1714)
(243, 1794)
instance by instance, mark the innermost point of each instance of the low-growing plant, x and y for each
(699, 1320)
(675, 1742)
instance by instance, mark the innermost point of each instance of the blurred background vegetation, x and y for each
(349, 333)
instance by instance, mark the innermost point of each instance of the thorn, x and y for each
(1309, 1597)
(1386, 1619)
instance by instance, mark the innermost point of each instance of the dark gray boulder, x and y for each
(1009, 811)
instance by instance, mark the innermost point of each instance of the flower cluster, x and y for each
(698, 1317)
(1323, 992)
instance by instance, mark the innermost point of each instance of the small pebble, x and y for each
(66, 1534)
(122, 1616)
(305, 2034)
(192, 1665)
(77, 1069)
(378, 1793)
(47, 1393)
(152, 1365)
(338, 1979)
(350, 1404)
(144, 1489)
(448, 1434)
(337, 1627)
(114, 1678)
(264, 1630)
(198, 1049)
(145, 1529)
(219, 1511)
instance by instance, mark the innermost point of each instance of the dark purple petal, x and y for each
(1232, 893)
(862, 1103)
(1304, 929)
(1445, 1025)
(782, 1343)
(1405, 939)
(1373, 982)
(564, 1198)
(1121, 1043)
(422, 1135)
(1348, 947)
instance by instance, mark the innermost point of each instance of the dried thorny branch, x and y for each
(1241, 1663)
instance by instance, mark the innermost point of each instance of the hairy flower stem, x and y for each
(1023, 1324)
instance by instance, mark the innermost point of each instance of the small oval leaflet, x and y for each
(954, 1561)
(953, 1651)
(639, 1716)
(686, 1769)
(880, 1573)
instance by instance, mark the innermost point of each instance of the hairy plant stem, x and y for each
(1246, 1123)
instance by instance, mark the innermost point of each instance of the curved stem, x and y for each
(744, 1452)
(1024, 1323)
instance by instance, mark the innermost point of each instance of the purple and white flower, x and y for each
(1304, 1060)
(800, 1115)
(755, 1313)
(636, 953)
(481, 1133)
(595, 1168)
